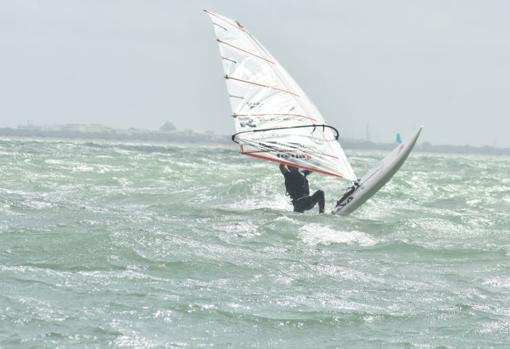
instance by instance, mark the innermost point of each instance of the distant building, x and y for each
(29, 126)
(167, 127)
(86, 128)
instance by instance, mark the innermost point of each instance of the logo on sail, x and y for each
(293, 156)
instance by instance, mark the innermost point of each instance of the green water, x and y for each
(185, 246)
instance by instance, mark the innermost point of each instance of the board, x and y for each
(375, 179)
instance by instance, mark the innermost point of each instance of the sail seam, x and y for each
(220, 26)
(229, 59)
(261, 85)
(243, 50)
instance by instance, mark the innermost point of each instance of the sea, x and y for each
(127, 245)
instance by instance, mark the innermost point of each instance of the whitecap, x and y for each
(245, 228)
(315, 234)
(285, 219)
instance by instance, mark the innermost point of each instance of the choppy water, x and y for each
(185, 246)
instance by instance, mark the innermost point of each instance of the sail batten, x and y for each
(261, 85)
(245, 51)
(274, 119)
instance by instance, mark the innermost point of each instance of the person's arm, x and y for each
(283, 169)
(306, 172)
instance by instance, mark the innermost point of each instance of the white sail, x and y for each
(274, 119)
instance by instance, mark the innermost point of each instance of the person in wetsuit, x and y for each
(297, 188)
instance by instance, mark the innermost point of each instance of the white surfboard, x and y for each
(375, 179)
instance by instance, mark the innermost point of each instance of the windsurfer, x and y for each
(297, 188)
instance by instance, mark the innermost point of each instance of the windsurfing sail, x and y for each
(274, 119)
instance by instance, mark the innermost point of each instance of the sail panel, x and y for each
(274, 119)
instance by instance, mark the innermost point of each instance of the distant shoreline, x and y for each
(98, 132)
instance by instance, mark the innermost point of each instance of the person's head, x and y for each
(292, 168)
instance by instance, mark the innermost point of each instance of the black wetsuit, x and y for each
(298, 190)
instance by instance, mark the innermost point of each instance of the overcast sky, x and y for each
(387, 65)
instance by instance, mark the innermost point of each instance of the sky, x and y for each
(369, 65)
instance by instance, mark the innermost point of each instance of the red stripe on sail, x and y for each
(245, 51)
(291, 164)
(261, 85)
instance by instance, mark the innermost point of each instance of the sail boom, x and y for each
(314, 126)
